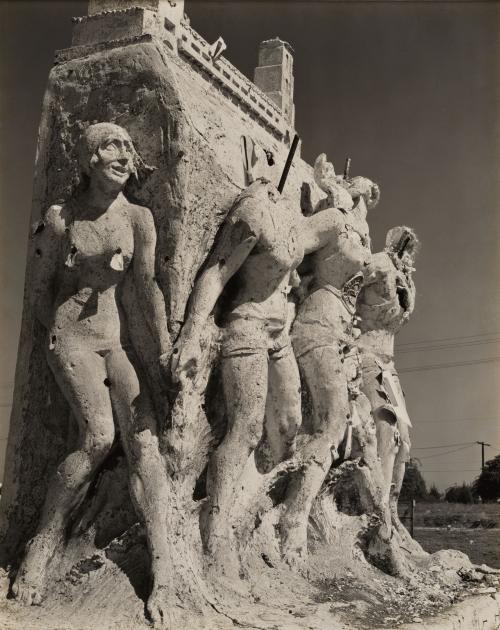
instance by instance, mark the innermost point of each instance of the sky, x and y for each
(411, 92)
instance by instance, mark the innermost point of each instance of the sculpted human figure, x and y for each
(85, 248)
(384, 305)
(262, 242)
(323, 340)
(256, 252)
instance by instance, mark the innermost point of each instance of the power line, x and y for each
(446, 346)
(437, 366)
(456, 420)
(420, 448)
(447, 452)
(455, 470)
(444, 339)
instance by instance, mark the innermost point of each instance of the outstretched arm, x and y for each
(147, 289)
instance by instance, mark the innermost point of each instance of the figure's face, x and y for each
(408, 255)
(116, 163)
(328, 171)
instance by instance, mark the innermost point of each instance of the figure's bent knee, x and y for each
(253, 435)
(289, 425)
(143, 444)
(100, 441)
(405, 450)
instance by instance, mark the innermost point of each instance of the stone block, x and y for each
(275, 51)
(169, 10)
(114, 26)
(269, 78)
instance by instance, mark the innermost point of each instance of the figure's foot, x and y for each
(26, 593)
(164, 614)
(29, 584)
(294, 545)
(156, 608)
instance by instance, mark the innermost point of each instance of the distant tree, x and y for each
(459, 494)
(434, 494)
(413, 483)
(487, 485)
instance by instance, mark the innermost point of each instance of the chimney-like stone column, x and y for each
(274, 75)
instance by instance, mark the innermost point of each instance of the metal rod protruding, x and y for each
(288, 163)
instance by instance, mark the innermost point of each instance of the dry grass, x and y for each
(473, 529)
(485, 515)
(481, 545)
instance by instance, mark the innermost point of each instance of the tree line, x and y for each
(485, 488)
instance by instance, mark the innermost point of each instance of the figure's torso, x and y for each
(94, 256)
(263, 281)
(384, 305)
(347, 251)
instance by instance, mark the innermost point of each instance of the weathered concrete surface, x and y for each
(192, 133)
(180, 124)
(481, 612)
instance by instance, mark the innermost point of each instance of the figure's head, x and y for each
(403, 243)
(106, 152)
(323, 170)
(364, 187)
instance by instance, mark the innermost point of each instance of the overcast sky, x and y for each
(411, 91)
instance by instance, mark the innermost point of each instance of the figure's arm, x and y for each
(223, 265)
(408, 287)
(147, 289)
(319, 229)
(236, 240)
(327, 180)
(377, 283)
(44, 248)
(364, 187)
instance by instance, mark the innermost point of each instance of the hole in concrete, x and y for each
(269, 157)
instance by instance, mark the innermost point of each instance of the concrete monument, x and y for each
(165, 465)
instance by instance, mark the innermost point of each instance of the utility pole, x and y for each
(483, 444)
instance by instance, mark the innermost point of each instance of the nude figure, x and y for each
(257, 251)
(323, 341)
(384, 305)
(85, 248)
(255, 254)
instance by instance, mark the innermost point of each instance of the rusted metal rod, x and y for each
(347, 167)
(288, 163)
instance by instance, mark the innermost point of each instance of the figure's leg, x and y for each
(387, 439)
(403, 456)
(244, 380)
(370, 471)
(380, 545)
(148, 478)
(324, 374)
(283, 406)
(388, 445)
(80, 375)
